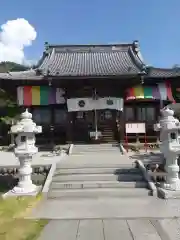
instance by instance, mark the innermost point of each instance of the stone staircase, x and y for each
(95, 148)
(108, 135)
(95, 180)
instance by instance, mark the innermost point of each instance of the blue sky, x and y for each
(155, 23)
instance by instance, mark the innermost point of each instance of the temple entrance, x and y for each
(107, 117)
(86, 122)
(80, 127)
(106, 121)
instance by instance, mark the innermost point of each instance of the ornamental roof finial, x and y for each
(136, 46)
(46, 46)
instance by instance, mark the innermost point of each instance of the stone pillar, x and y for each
(25, 184)
(172, 168)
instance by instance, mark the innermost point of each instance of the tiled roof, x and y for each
(162, 72)
(92, 60)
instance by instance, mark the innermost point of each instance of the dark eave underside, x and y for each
(151, 73)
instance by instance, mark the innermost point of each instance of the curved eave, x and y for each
(137, 58)
(163, 73)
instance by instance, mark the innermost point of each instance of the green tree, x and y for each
(6, 99)
(12, 67)
(11, 107)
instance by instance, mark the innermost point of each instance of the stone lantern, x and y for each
(25, 131)
(169, 128)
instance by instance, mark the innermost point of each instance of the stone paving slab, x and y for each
(115, 229)
(142, 229)
(56, 230)
(98, 208)
(90, 230)
(112, 229)
(171, 227)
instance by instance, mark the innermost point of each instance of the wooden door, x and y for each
(60, 121)
(106, 117)
(80, 127)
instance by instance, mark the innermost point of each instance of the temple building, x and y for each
(88, 93)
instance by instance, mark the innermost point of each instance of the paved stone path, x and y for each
(112, 229)
(104, 218)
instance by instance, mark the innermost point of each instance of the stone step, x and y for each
(82, 153)
(108, 133)
(104, 145)
(97, 184)
(98, 177)
(96, 149)
(96, 146)
(108, 137)
(100, 192)
(93, 146)
(96, 171)
(88, 165)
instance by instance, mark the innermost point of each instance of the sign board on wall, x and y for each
(135, 128)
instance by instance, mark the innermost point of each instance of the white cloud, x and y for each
(15, 35)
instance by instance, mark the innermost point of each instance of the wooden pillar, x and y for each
(122, 127)
(51, 126)
(69, 128)
(158, 108)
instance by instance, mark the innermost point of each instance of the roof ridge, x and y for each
(89, 45)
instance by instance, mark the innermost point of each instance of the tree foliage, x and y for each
(12, 67)
(12, 110)
(5, 98)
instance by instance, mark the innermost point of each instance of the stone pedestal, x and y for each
(169, 128)
(25, 149)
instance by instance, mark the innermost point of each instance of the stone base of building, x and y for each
(14, 193)
(168, 194)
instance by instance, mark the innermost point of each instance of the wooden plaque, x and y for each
(135, 128)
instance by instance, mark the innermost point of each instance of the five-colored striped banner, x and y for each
(162, 92)
(45, 95)
(40, 95)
